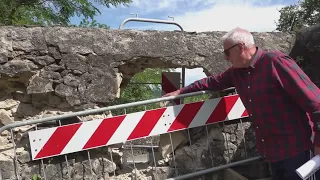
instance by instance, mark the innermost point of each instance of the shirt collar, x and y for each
(256, 57)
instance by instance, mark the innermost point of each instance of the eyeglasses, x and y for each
(226, 52)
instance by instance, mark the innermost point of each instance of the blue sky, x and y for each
(196, 15)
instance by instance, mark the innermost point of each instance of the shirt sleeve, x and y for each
(214, 83)
(297, 84)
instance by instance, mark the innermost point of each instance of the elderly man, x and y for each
(277, 95)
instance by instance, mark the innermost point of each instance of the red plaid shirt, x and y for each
(277, 94)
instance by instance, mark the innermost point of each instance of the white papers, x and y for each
(309, 168)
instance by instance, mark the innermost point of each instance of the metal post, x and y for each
(183, 81)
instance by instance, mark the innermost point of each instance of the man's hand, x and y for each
(173, 93)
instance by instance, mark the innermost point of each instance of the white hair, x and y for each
(238, 35)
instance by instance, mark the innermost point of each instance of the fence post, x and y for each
(167, 145)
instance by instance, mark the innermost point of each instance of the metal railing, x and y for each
(215, 169)
(99, 110)
(150, 20)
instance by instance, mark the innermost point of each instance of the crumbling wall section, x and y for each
(47, 71)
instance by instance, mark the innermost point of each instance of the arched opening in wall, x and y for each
(147, 84)
(191, 75)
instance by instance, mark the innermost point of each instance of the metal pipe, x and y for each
(140, 146)
(99, 110)
(183, 81)
(149, 20)
(149, 83)
(144, 83)
(218, 168)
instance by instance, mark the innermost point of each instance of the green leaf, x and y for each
(36, 177)
(53, 12)
(305, 14)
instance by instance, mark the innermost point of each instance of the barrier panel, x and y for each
(170, 81)
(102, 132)
(85, 136)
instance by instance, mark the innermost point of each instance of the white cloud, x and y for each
(154, 5)
(149, 6)
(192, 75)
(224, 17)
(219, 15)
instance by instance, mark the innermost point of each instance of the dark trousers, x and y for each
(285, 170)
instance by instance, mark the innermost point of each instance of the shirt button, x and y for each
(249, 72)
(248, 87)
(249, 100)
(257, 127)
(262, 140)
(251, 115)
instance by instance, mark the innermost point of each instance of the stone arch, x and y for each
(46, 70)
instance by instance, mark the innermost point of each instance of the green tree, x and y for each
(294, 17)
(135, 91)
(52, 12)
(92, 23)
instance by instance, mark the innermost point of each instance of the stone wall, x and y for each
(47, 71)
(306, 51)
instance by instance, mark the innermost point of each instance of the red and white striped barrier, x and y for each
(170, 81)
(101, 132)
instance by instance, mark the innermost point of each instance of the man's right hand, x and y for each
(173, 93)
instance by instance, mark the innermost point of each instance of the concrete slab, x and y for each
(143, 158)
(232, 174)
